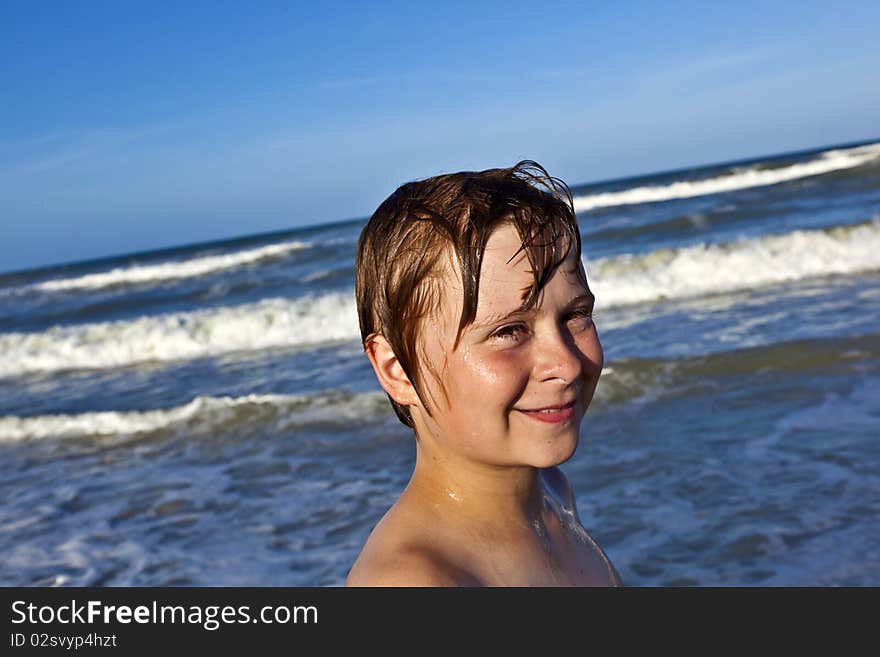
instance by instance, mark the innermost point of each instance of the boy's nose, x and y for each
(558, 357)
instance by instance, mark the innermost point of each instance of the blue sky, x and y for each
(128, 126)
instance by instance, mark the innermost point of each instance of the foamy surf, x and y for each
(827, 162)
(684, 272)
(703, 269)
(141, 274)
(203, 415)
(181, 336)
(623, 380)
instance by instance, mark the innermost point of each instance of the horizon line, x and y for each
(266, 235)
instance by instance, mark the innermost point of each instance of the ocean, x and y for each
(205, 415)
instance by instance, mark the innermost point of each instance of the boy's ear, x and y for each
(388, 370)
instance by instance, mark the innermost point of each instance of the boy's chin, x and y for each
(554, 454)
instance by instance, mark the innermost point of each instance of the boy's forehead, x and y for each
(501, 283)
(506, 278)
(504, 289)
(504, 258)
(504, 261)
(504, 282)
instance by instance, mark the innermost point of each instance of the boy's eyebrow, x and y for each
(589, 297)
(500, 317)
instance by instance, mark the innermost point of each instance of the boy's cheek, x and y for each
(496, 368)
(593, 354)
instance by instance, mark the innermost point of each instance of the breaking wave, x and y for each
(689, 271)
(703, 269)
(181, 336)
(204, 415)
(827, 162)
(169, 270)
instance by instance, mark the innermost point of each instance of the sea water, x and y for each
(205, 415)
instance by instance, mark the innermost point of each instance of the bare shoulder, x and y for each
(405, 550)
(560, 487)
(406, 566)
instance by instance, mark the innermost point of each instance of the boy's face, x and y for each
(508, 366)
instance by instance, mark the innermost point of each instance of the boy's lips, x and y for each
(554, 413)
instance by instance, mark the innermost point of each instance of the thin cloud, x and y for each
(70, 148)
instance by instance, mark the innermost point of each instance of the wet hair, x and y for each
(398, 267)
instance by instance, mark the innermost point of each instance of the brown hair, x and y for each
(396, 268)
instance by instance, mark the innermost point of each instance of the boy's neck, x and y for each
(505, 497)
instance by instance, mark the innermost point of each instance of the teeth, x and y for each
(556, 409)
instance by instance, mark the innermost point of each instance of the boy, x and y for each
(476, 316)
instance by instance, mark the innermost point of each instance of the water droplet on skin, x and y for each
(453, 495)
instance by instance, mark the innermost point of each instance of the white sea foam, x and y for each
(202, 414)
(618, 281)
(181, 336)
(170, 270)
(741, 265)
(828, 161)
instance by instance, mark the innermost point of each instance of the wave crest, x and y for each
(181, 336)
(690, 271)
(703, 269)
(165, 271)
(203, 415)
(827, 162)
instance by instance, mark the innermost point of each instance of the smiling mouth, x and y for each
(551, 413)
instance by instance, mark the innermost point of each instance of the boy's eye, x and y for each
(510, 332)
(583, 314)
